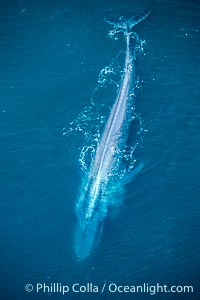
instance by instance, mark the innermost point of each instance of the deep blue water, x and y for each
(51, 53)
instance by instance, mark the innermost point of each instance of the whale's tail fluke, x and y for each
(127, 23)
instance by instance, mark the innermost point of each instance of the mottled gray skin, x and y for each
(92, 206)
(98, 189)
(112, 136)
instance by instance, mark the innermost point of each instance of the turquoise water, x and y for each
(52, 53)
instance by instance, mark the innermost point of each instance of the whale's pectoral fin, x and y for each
(130, 176)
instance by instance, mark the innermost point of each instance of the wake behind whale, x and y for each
(101, 186)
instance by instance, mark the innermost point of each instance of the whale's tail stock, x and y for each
(127, 23)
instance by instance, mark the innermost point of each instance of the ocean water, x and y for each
(52, 53)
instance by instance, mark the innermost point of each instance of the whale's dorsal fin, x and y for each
(127, 23)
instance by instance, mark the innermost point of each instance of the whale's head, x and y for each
(87, 236)
(91, 210)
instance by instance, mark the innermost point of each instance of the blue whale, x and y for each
(99, 188)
